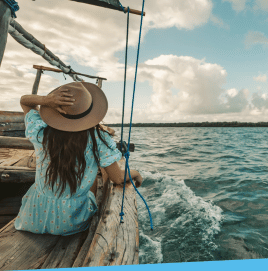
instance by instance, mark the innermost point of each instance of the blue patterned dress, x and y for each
(42, 211)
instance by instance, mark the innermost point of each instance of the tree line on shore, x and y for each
(195, 124)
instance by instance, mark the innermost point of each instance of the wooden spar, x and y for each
(40, 48)
(24, 143)
(133, 11)
(5, 15)
(37, 81)
(39, 67)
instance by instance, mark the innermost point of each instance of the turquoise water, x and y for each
(207, 189)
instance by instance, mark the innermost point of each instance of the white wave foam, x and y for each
(177, 212)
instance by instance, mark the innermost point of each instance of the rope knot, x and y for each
(121, 214)
(127, 154)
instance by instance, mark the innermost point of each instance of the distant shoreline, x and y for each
(195, 124)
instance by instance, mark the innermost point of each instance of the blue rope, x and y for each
(125, 76)
(126, 154)
(13, 5)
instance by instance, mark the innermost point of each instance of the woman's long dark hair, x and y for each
(65, 148)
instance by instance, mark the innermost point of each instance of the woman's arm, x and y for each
(117, 175)
(54, 100)
(28, 102)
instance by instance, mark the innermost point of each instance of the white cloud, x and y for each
(255, 37)
(261, 4)
(260, 78)
(182, 14)
(237, 5)
(87, 35)
(218, 21)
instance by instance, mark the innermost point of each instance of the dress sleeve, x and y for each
(107, 155)
(33, 124)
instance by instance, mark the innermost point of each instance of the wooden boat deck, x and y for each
(107, 242)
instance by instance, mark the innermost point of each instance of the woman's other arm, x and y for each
(117, 175)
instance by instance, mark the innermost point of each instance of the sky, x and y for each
(200, 60)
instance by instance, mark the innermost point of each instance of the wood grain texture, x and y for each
(10, 206)
(11, 116)
(116, 243)
(93, 226)
(37, 81)
(13, 126)
(17, 176)
(9, 157)
(14, 142)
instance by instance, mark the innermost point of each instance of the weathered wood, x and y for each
(15, 126)
(16, 155)
(26, 162)
(10, 116)
(4, 219)
(64, 253)
(17, 168)
(5, 15)
(37, 81)
(115, 243)
(38, 67)
(17, 143)
(100, 83)
(93, 225)
(10, 206)
(24, 143)
(133, 11)
(24, 250)
(17, 176)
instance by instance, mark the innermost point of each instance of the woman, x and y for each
(70, 145)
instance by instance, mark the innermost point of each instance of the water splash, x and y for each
(185, 224)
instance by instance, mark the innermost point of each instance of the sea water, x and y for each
(207, 190)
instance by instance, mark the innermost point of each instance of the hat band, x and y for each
(78, 116)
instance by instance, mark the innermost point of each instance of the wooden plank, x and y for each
(6, 153)
(18, 168)
(37, 81)
(5, 219)
(64, 253)
(115, 243)
(11, 116)
(15, 142)
(16, 156)
(24, 250)
(10, 206)
(38, 67)
(17, 176)
(5, 16)
(93, 226)
(27, 162)
(14, 126)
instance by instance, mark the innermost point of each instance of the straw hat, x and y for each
(88, 110)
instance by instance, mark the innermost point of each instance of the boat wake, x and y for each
(184, 224)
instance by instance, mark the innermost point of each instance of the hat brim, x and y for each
(100, 106)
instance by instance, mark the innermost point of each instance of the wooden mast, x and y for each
(5, 15)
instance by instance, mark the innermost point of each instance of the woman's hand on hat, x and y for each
(59, 98)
